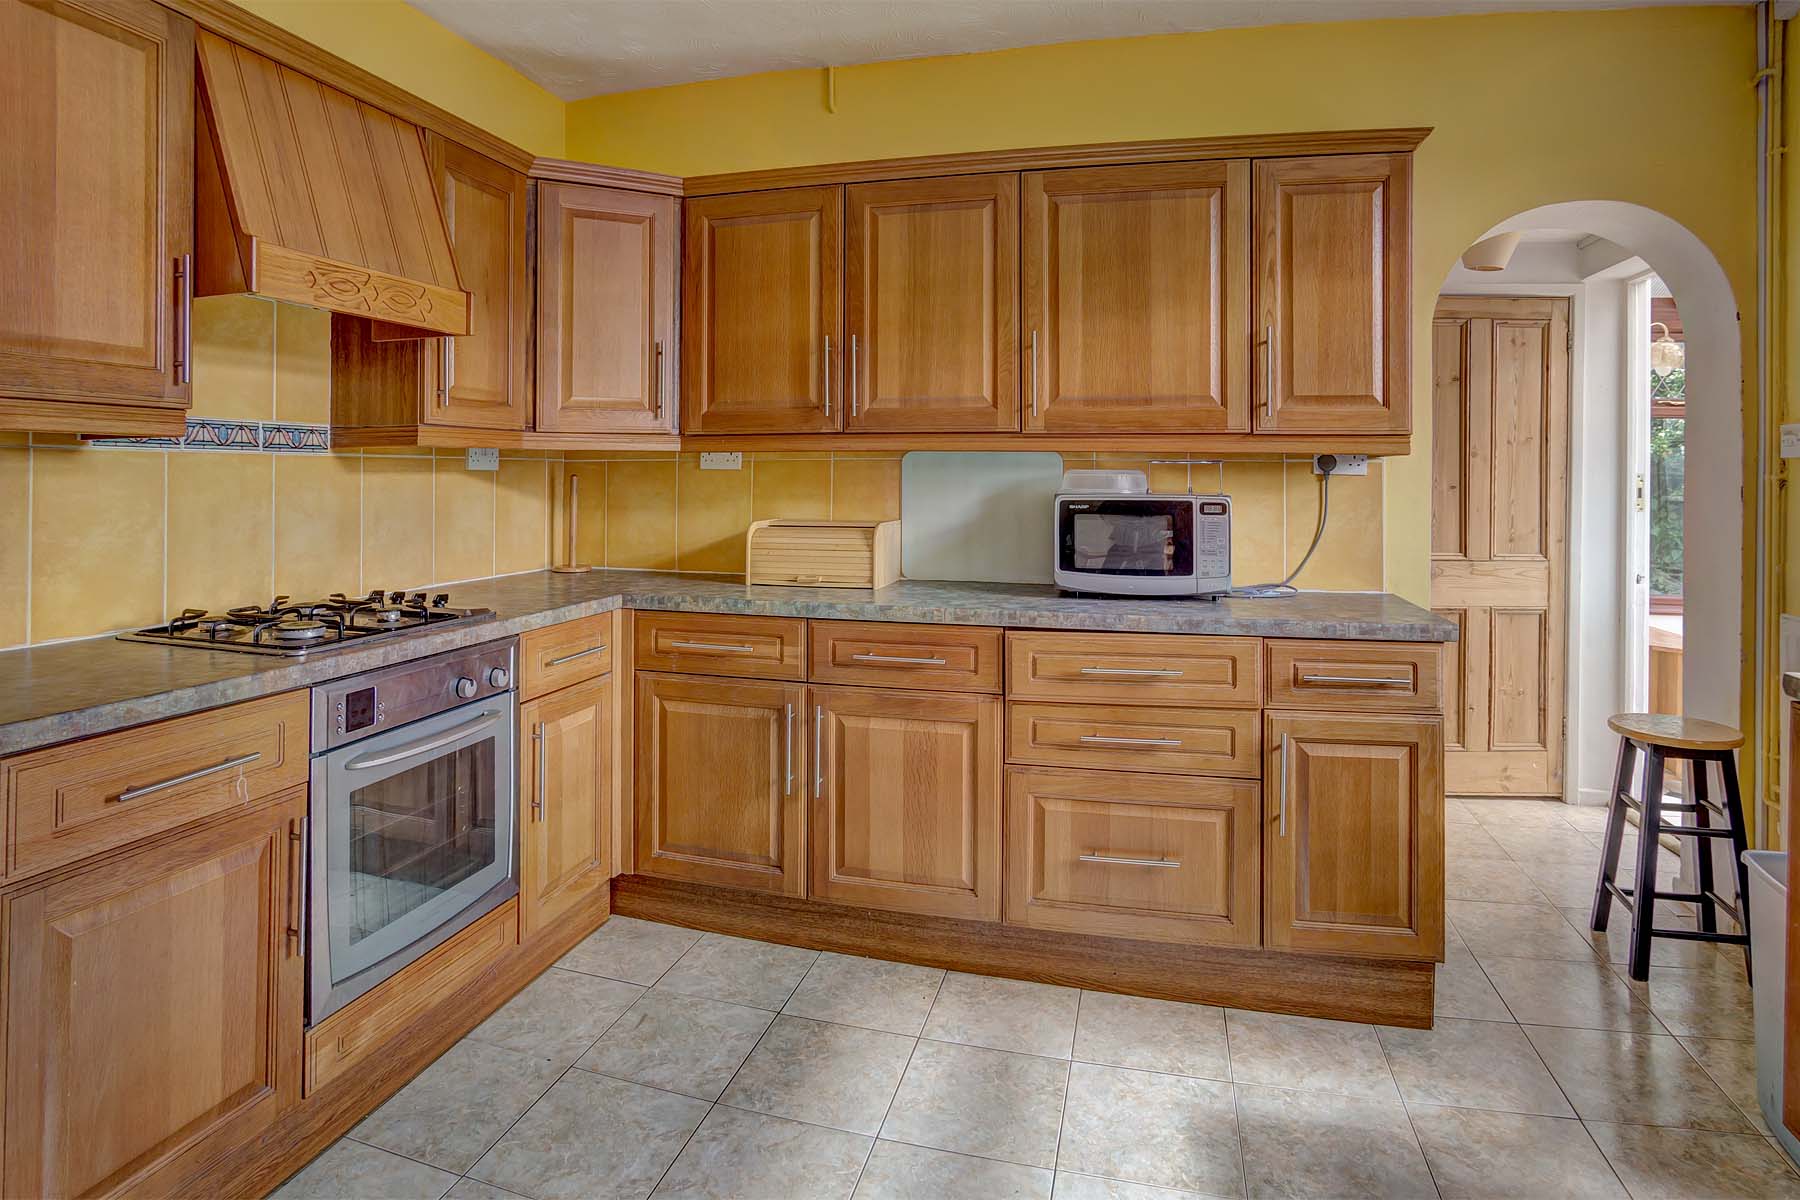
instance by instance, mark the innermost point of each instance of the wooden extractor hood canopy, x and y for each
(308, 195)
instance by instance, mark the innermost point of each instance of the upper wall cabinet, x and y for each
(96, 217)
(762, 312)
(1333, 280)
(606, 263)
(1137, 296)
(932, 305)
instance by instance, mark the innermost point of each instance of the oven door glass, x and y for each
(1126, 537)
(417, 827)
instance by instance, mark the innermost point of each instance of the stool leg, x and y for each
(1643, 906)
(1734, 809)
(1698, 770)
(1615, 836)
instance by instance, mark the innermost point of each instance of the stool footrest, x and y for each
(1699, 935)
(1699, 831)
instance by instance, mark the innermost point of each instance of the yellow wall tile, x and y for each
(397, 521)
(15, 544)
(640, 515)
(234, 358)
(522, 515)
(219, 534)
(1258, 540)
(590, 513)
(1350, 554)
(318, 517)
(713, 517)
(465, 522)
(791, 487)
(97, 541)
(302, 364)
(865, 489)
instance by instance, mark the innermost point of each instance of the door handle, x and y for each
(138, 793)
(296, 929)
(825, 379)
(656, 383)
(443, 387)
(818, 751)
(537, 791)
(1034, 379)
(1281, 750)
(787, 755)
(184, 315)
(853, 387)
(1269, 373)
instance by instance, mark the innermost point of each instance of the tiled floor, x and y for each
(659, 1060)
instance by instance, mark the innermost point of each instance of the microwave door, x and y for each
(1129, 538)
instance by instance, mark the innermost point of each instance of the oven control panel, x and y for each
(346, 710)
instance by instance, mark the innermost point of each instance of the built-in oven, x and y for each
(411, 832)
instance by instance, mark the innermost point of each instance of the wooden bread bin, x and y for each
(849, 554)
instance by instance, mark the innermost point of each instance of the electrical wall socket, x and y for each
(722, 460)
(1790, 441)
(483, 458)
(1347, 464)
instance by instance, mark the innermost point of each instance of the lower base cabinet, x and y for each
(564, 800)
(155, 1007)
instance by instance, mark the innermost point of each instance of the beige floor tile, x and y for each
(1072, 1185)
(1472, 1064)
(1152, 1035)
(1615, 943)
(736, 1154)
(685, 1044)
(458, 1106)
(1567, 884)
(474, 1189)
(629, 949)
(1541, 991)
(1457, 812)
(1711, 1001)
(1479, 1155)
(1318, 1144)
(1004, 1014)
(1501, 813)
(1517, 931)
(738, 971)
(1732, 1065)
(350, 1170)
(1166, 1130)
(1589, 818)
(1309, 1054)
(896, 1171)
(1470, 840)
(984, 1102)
(891, 996)
(1679, 1164)
(1634, 1078)
(839, 1076)
(558, 1015)
(1498, 880)
(1548, 842)
(1464, 990)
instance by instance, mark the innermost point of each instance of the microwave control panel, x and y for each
(1212, 539)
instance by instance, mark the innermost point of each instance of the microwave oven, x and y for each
(1113, 537)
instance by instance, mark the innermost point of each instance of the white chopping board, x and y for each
(981, 517)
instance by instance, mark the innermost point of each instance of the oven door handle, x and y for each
(368, 761)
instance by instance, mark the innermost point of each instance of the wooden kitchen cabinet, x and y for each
(1137, 298)
(1353, 834)
(1333, 280)
(155, 1007)
(932, 305)
(721, 781)
(906, 801)
(762, 312)
(565, 801)
(96, 311)
(606, 262)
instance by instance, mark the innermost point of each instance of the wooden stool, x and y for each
(1685, 739)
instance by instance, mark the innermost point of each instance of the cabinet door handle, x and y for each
(1095, 739)
(1269, 373)
(853, 387)
(1121, 861)
(449, 363)
(1380, 679)
(899, 658)
(138, 793)
(787, 755)
(557, 662)
(825, 376)
(443, 387)
(184, 317)
(818, 751)
(656, 382)
(1135, 672)
(1034, 381)
(296, 929)
(538, 784)
(722, 647)
(1281, 750)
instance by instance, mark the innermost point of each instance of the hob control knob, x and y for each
(497, 677)
(465, 688)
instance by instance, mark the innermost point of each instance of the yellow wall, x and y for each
(1650, 106)
(397, 42)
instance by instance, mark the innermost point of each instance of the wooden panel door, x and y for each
(1499, 522)
(606, 310)
(932, 305)
(155, 1008)
(480, 380)
(1333, 280)
(565, 800)
(97, 215)
(1137, 297)
(1353, 834)
(762, 312)
(721, 781)
(906, 801)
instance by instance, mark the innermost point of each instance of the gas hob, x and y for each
(292, 630)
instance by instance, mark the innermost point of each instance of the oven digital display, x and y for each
(359, 709)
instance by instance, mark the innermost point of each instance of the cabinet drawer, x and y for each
(945, 658)
(1182, 741)
(713, 644)
(1365, 676)
(558, 655)
(1134, 668)
(1139, 856)
(71, 801)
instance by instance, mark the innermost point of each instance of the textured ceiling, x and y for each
(578, 48)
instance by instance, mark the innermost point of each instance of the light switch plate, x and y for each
(722, 460)
(1347, 464)
(484, 458)
(1790, 441)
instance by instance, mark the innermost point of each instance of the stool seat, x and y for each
(1680, 733)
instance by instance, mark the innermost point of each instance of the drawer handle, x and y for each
(721, 647)
(1118, 861)
(1095, 739)
(899, 658)
(138, 793)
(1380, 679)
(1147, 672)
(557, 662)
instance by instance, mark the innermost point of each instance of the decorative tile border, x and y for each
(275, 437)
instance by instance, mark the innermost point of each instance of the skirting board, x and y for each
(1312, 985)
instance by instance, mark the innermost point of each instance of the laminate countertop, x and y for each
(75, 689)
